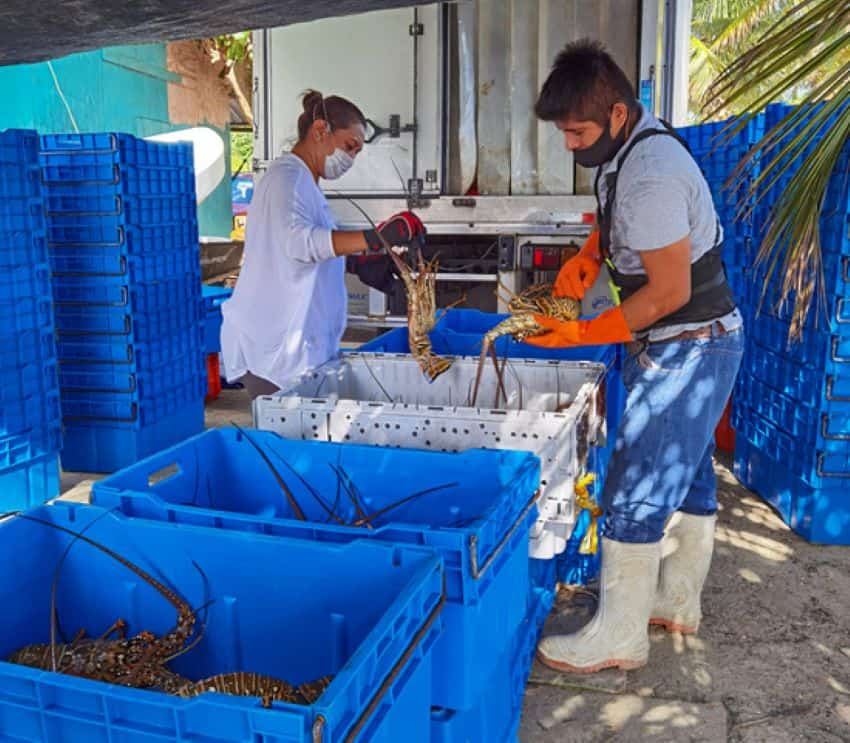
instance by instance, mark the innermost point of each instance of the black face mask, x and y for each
(603, 149)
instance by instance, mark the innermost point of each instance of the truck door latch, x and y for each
(393, 131)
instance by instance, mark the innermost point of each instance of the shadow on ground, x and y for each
(771, 661)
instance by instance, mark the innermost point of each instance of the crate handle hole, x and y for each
(162, 475)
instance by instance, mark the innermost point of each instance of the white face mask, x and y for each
(337, 164)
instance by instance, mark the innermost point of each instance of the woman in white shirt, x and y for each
(288, 310)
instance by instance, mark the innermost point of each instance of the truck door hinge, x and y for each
(416, 29)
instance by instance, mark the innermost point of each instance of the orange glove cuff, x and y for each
(590, 249)
(609, 327)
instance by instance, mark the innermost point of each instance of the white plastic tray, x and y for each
(554, 409)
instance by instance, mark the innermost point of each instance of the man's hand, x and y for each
(580, 272)
(609, 327)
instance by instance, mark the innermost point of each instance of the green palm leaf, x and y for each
(806, 48)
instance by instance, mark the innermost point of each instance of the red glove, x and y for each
(609, 327)
(580, 271)
(400, 229)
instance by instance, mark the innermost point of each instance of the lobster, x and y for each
(421, 293)
(535, 300)
(135, 661)
(267, 688)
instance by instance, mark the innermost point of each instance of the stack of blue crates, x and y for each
(124, 253)
(30, 424)
(293, 609)
(718, 162)
(792, 400)
(476, 510)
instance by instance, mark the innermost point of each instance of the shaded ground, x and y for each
(771, 663)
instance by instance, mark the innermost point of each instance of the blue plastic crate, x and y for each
(139, 182)
(18, 146)
(542, 574)
(23, 316)
(21, 213)
(125, 151)
(820, 469)
(481, 526)
(806, 385)
(65, 178)
(36, 410)
(103, 349)
(29, 484)
(120, 211)
(26, 379)
(25, 282)
(104, 446)
(76, 229)
(135, 209)
(835, 238)
(496, 716)
(379, 651)
(26, 348)
(20, 449)
(144, 406)
(117, 147)
(142, 297)
(820, 515)
(815, 348)
(141, 327)
(22, 247)
(135, 239)
(20, 182)
(702, 137)
(109, 262)
(214, 297)
(813, 428)
(144, 383)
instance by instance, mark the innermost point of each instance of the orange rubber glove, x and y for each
(609, 327)
(579, 272)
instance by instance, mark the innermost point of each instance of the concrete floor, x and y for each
(771, 663)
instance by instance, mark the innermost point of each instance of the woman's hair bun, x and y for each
(310, 100)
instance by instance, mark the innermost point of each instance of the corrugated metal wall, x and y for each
(517, 41)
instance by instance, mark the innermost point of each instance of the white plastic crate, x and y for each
(554, 409)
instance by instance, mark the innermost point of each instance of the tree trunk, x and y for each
(242, 100)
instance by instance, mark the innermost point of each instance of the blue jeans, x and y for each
(662, 461)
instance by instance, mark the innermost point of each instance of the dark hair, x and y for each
(585, 83)
(340, 113)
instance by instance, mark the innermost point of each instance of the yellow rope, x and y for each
(590, 542)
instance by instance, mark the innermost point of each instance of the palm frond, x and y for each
(805, 49)
(746, 22)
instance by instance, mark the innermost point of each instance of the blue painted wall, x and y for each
(114, 89)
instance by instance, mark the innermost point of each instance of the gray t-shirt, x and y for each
(662, 197)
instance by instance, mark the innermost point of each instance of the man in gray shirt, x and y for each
(659, 235)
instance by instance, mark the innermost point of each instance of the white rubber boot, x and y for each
(686, 555)
(618, 634)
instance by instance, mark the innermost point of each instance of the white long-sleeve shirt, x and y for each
(288, 310)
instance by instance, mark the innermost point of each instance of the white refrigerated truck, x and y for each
(449, 89)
